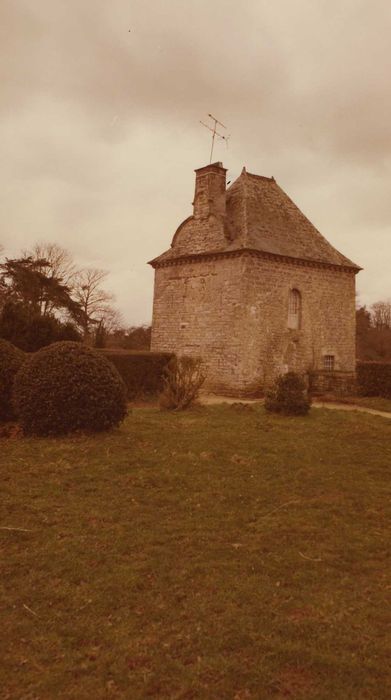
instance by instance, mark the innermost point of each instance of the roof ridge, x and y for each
(258, 177)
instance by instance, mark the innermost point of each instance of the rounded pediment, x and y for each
(195, 235)
(180, 232)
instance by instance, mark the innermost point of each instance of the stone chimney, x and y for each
(209, 197)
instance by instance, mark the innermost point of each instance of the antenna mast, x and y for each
(215, 133)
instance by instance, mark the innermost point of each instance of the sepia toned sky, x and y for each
(100, 102)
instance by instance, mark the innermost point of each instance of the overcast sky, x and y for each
(100, 103)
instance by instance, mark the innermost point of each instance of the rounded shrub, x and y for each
(288, 396)
(11, 359)
(66, 387)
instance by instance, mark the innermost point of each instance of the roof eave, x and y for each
(165, 260)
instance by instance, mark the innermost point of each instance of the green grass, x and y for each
(222, 553)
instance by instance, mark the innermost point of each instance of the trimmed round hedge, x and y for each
(288, 396)
(11, 359)
(65, 387)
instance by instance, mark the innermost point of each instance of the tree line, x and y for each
(44, 297)
(373, 332)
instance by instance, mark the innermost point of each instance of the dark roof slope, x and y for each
(266, 219)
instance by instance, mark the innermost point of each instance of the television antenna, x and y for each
(215, 133)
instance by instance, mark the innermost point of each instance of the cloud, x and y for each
(99, 122)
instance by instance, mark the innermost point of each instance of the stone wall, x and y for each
(233, 312)
(327, 318)
(198, 311)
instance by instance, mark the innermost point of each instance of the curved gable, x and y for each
(199, 236)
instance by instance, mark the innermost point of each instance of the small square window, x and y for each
(328, 362)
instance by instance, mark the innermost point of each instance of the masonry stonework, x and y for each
(222, 292)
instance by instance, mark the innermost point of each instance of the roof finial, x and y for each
(215, 133)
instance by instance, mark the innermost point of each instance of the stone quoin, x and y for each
(250, 286)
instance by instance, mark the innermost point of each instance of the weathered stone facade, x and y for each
(252, 288)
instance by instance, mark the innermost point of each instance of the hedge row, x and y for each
(374, 379)
(142, 372)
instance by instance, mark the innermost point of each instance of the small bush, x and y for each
(183, 379)
(11, 359)
(374, 379)
(288, 396)
(142, 372)
(66, 387)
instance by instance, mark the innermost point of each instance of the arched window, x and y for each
(294, 309)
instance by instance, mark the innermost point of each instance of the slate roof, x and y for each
(261, 217)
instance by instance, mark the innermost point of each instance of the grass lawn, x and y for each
(221, 553)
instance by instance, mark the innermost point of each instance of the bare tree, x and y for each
(109, 323)
(60, 260)
(57, 262)
(381, 314)
(112, 320)
(95, 302)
